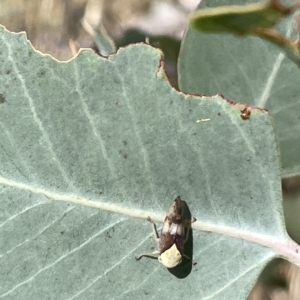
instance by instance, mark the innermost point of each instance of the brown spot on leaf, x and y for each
(245, 113)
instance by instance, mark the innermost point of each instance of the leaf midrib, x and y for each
(282, 246)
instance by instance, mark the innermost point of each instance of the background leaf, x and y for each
(247, 70)
(91, 147)
(238, 19)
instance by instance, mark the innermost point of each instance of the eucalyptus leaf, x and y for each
(105, 44)
(255, 19)
(238, 19)
(89, 148)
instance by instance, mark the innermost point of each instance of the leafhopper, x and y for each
(174, 234)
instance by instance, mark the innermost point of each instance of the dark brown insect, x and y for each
(173, 236)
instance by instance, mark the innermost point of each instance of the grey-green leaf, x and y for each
(91, 147)
(103, 41)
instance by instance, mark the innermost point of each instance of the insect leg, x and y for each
(156, 236)
(151, 255)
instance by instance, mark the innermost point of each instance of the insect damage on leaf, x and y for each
(173, 236)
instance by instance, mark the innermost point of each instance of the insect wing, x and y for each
(173, 230)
